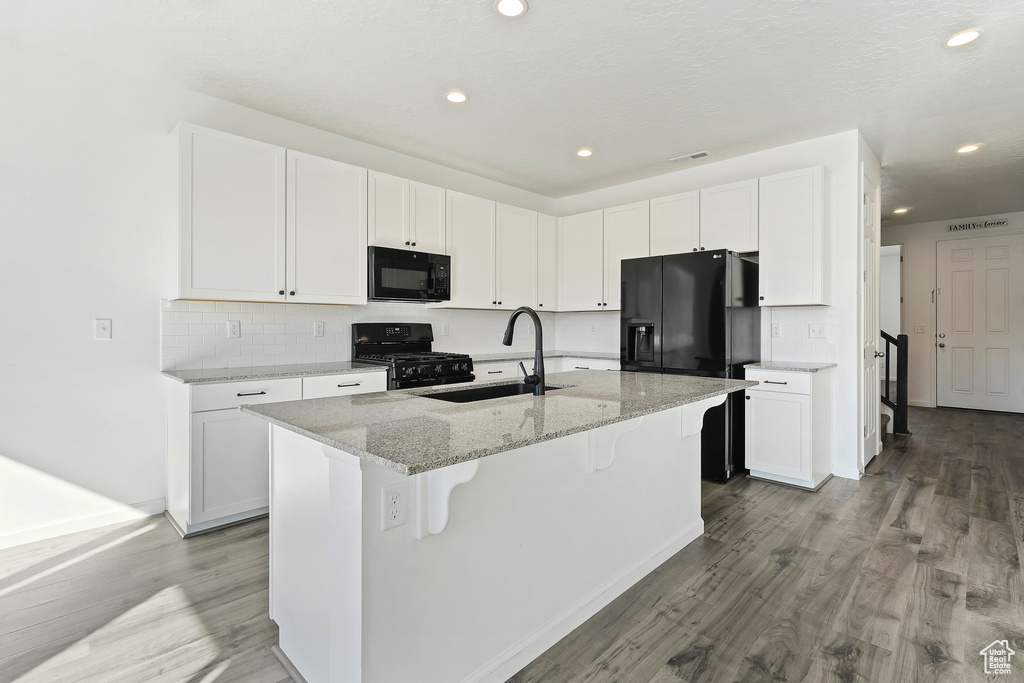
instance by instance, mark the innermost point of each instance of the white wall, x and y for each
(85, 193)
(889, 301)
(841, 155)
(918, 242)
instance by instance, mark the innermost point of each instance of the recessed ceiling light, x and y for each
(963, 37)
(901, 210)
(584, 152)
(967, 149)
(511, 8)
(455, 96)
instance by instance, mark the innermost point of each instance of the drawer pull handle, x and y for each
(581, 367)
(351, 384)
(768, 381)
(495, 372)
(253, 393)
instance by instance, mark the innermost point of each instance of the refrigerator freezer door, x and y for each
(640, 317)
(694, 334)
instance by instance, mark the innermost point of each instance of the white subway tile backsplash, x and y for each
(229, 306)
(202, 306)
(251, 308)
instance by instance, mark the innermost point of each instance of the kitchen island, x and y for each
(414, 539)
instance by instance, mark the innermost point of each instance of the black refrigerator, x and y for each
(695, 313)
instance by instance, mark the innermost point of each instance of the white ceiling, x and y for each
(638, 81)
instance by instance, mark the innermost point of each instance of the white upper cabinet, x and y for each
(581, 254)
(326, 235)
(626, 235)
(405, 214)
(470, 238)
(231, 217)
(794, 257)
(675, 223)
(515, 257)
(729, 217)
(547, 263)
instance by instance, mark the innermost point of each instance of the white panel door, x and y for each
(515, 257)
(231, 217)
(627, 234)
(326, 231)
(728, 217)
(791, 235)
(547, 263)
(426, 216)
(779, 426)
(980, 323)
(581, 259)
(871, 386)
(388, 211)
(230, 465)
(470, 236)
(675, 223)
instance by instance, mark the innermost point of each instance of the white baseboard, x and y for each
(920, 404)
(508, 663)
(847, 472)
(41, 532)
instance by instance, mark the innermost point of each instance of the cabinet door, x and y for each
(547, 263)
(793, 261)
(326, 231)
(675, 223)
(230, 465)
(515, 257)
(347, 384)
(778, 438)
(627, 231)
(426, 214)
(728, 217)
(231, 217)
(470, 236)
(388, 211)
(581, 259)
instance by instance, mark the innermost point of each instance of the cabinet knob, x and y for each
(695, 248)
(494, 302)
(540, 305)
(747, 397)
(761, 298)
(702, 248)
(292, 293)
(408, 243)
(281, 292)
(499, 303)
(414, 244)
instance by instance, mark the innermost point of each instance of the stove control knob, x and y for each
(437, 369)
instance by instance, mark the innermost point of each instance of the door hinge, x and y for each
(901, 299)
(865, 276)
(865, 431)
(865, 201)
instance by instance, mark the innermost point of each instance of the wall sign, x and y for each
(974, 225)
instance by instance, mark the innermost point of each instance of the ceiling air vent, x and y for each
(692, 156)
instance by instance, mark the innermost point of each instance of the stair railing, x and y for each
(899, 405)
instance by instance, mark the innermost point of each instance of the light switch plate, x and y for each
(816, 331)
(102, 329)
(444, 329)
(919, 329)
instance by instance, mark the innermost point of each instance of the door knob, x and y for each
(942, 335)
(942, 346)
(879, 354)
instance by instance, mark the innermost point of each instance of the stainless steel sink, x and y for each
(486, 392)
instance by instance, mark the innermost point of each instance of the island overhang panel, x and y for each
(499, 556)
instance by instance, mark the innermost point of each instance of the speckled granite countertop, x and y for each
(268, 371)
(789, 366)
(528, 355)
(409, 433)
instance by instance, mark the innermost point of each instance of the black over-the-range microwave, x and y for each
(403, 275)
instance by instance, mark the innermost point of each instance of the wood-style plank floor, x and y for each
(903, 576)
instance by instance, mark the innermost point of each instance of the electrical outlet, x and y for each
(816, 331)
(234, 329)
(777, 330)
(919, 329)
(529, 328)
(102, 329)
(318, 328)
(444, 329)
(593, 329)
(393, 506)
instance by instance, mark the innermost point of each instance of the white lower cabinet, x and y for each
(490, 372)
(217, 457)
(788, 420)
(569, 364)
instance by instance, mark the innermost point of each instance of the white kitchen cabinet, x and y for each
(231, 217)
(326, 231)
(515, 257)
(257, 222)
(794, 255)
(496, 370)
(788, 421)
(470, 236)
(217, 457)
(675, 223)
(574, 363)
(404, 214)
(627, 234)
(547, 263)
(729, 216)
(581, 258)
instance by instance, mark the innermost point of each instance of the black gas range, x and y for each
(404, 348)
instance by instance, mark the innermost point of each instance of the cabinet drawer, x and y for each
(489, 372)
(234, 394)
(346, 384)
(589, 364)
(783, 382)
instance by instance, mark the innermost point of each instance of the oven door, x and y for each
(399, 275)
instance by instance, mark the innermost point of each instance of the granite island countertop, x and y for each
(528, 355)
(409, 433)
(788, 366)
